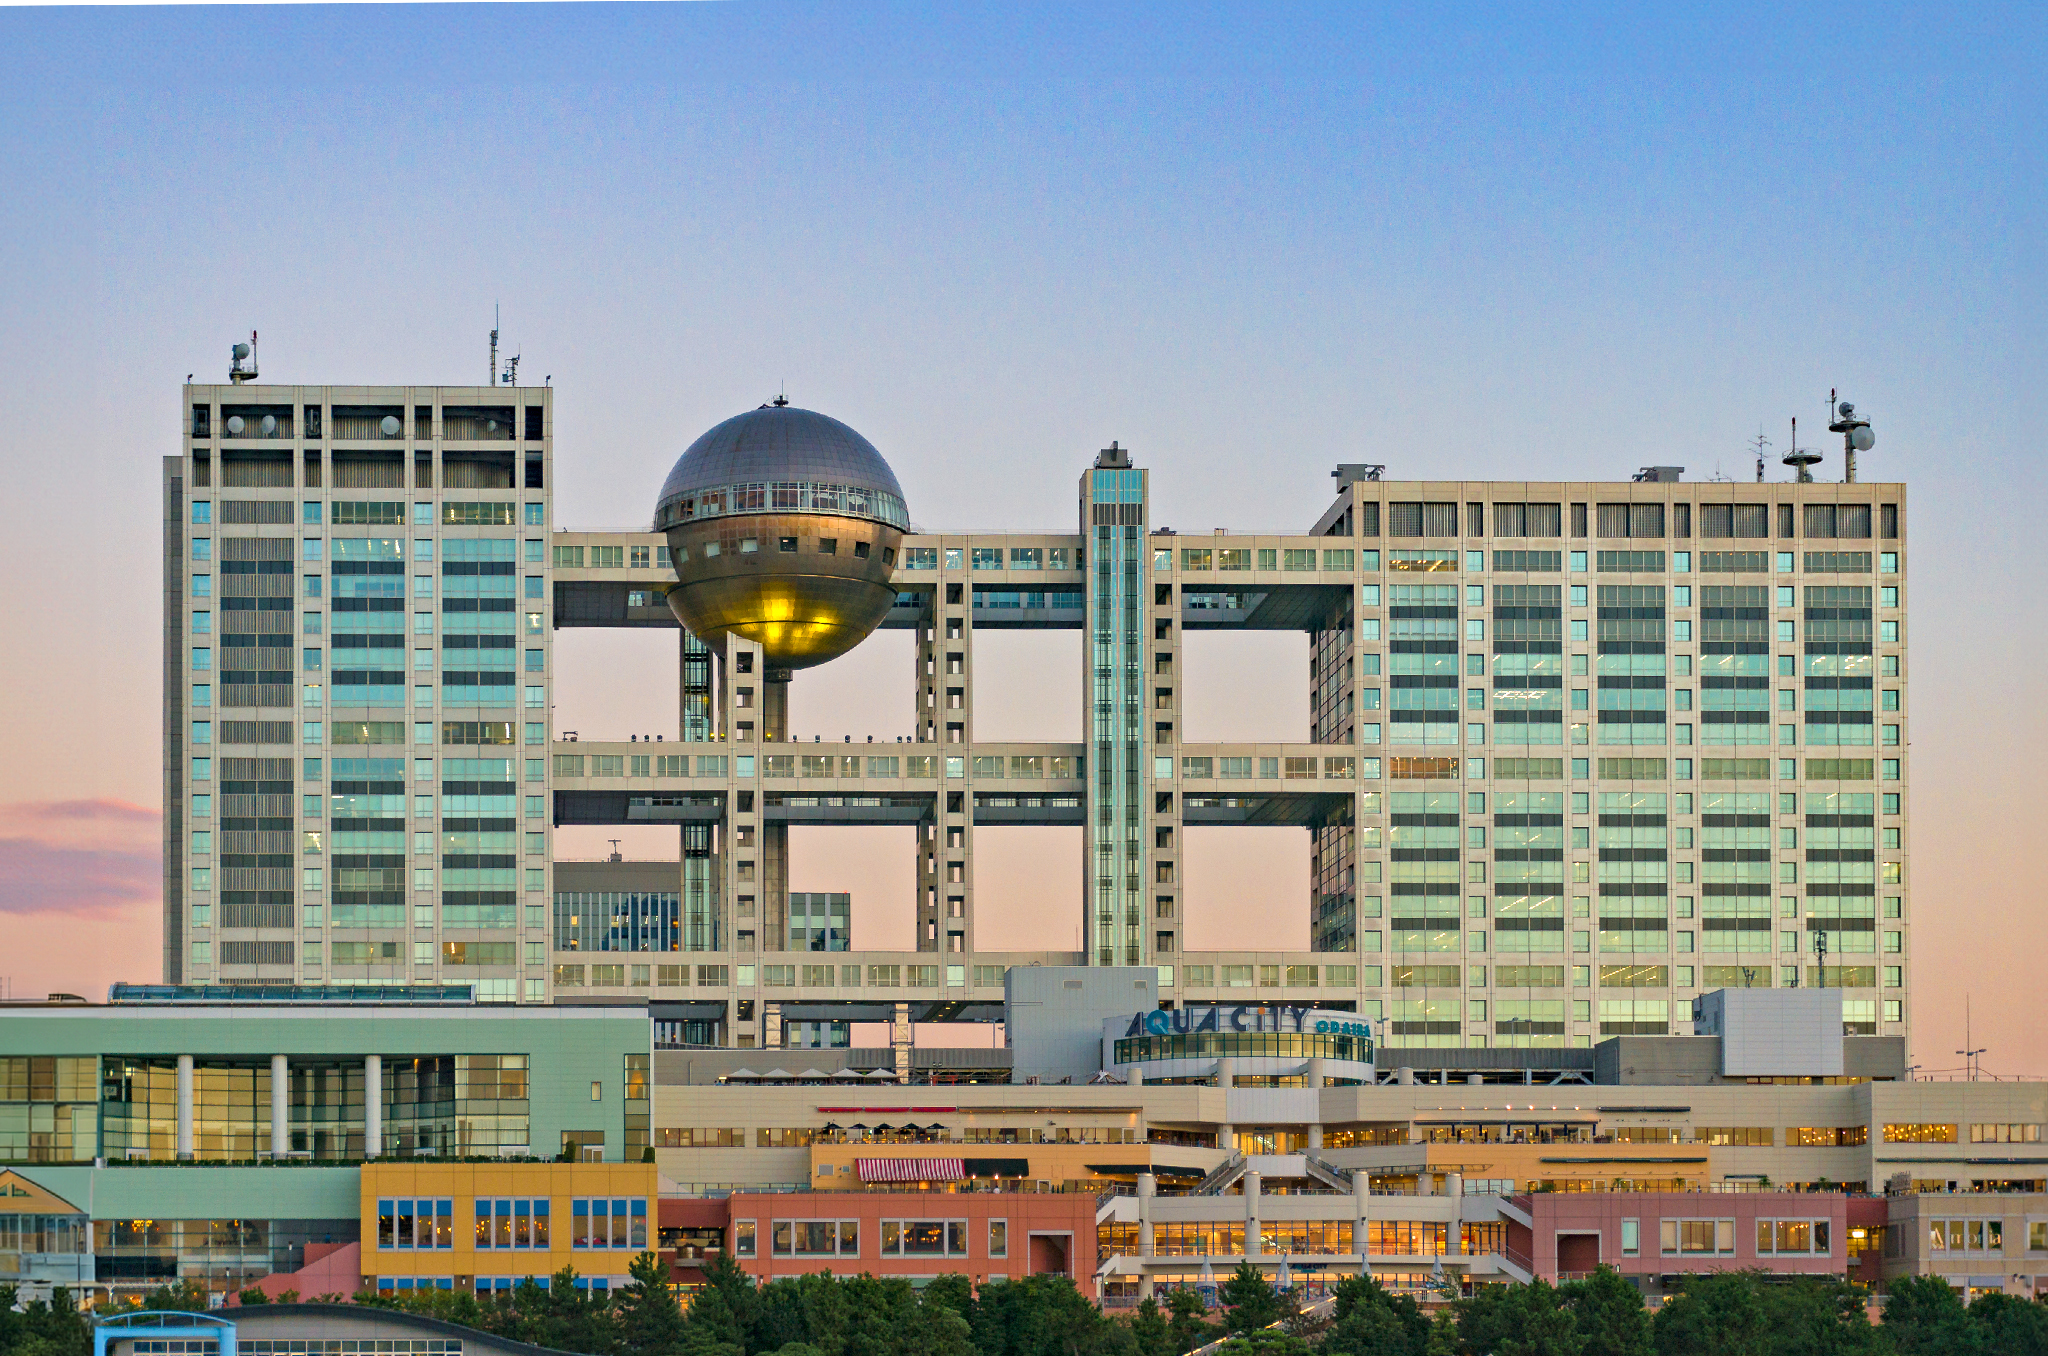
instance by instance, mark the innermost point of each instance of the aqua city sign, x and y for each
(1262, 1017)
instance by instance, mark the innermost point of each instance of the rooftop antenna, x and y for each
(616, 855)
(1855, 431)
(1800, 459)
(240, 354)
(1759, 445)
(512, 370)
(1969, 1053)
(492, 379)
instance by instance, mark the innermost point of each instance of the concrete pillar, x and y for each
(1454, 1232)
(373, 1105)
(1361, 1210)
(1226, 1076)
(1315, 1085)
(1253, 1244)
(280, 1106)
(184, 1106)
(1148, 1186)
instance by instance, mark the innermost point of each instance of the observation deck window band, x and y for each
(746, 499)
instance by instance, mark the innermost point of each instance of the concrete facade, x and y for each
(357, 662)
(1729, 886)
(1698, 690)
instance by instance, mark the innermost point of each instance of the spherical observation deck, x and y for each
(783, 526)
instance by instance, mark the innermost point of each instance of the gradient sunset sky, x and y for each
(1248, 242)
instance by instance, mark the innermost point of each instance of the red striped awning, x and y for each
(911, 1169)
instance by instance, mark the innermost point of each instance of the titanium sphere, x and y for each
(783, 526)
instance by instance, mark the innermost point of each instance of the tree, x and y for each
(650, 1321)
(1370, 1320)
(40, 1329)
(1609, 1315)
(1150, 1332)
(1249, 1301)
(1519, 1320)
(933, 1329)
(1924, 1316)
(721, 1314)
(1819, 1316)
(2009, 1326)
(950, 1291)
(1715, 1315)
(1043, 1316)
(1264, 1342)
(1443, 1333)
(1189, 1327)
(822, 1300)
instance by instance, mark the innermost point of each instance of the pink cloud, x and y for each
(76, 811)
(38, 877)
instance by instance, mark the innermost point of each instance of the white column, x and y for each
(280, 1106)
(373, 1105)
(1361, 1209)
(1253, 1245)
(1148, 1186)
(1226, 1076)
(184, 1106)
(1454, 1236)
(1315, 1086)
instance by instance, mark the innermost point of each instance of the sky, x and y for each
(1247, 242)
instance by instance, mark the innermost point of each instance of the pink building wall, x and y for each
(1571, 1232)
(1052, 1233)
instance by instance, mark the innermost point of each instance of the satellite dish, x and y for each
(390, 425)
(240, 351)
(491, 426)
(235, 425)
(1846, 410)
(1861, 438)
(269, 426)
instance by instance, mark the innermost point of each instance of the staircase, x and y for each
(1329, 1174)
(1222, 1176)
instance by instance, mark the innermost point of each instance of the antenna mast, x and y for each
(492, 379)
(1758, 445)
(1800, 459)
(1855, 431)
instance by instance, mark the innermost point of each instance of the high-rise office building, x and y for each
(356, 676)
(1577, 752)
